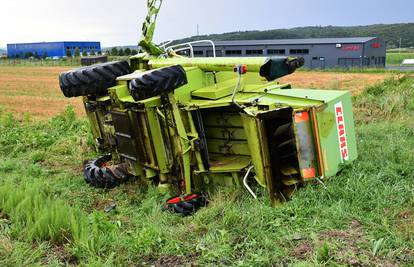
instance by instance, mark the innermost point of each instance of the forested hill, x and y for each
(391, 33)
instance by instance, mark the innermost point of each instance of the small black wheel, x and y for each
(92, 80)
(98, 175)
(186, 205)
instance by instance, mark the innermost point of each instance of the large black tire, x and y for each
(159, 81)
(97, 175)
(92, 80)
(186, 205)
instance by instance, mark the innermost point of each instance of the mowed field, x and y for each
(35, 90)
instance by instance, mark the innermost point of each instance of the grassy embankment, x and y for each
(364, 216)
(395, 59)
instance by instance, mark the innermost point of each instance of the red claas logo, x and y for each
(340, 123)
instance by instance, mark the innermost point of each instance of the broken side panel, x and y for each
(288, 146)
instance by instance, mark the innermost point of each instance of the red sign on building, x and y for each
(351, 47)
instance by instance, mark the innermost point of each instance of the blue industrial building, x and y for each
(50, 49)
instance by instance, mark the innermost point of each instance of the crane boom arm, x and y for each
(148, 28)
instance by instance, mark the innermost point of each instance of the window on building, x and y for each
(299, 51)
(198, 52)
(209, 53)
(276, 51)
(254, 52)
(233, 52)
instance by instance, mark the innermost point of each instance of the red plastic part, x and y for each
(174, 200)
(191, 197)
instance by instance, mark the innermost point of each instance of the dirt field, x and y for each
(354, 82)
(35, 90)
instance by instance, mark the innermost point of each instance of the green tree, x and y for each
(121, 52)
(68, 53)
(28, 55)
(114, 51)
(127, 51)
(93, 52)
(77, 52)
(84, 53)
(36, 55)
(44, 55)
(99, 52)
(134, 52)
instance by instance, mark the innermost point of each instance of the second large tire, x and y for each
(158, 81)
(92, 80)
(98, 175)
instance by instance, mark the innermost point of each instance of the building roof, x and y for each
(351, 40)
(58, 42)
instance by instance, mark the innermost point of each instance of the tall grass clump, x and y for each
(38, 217)
(394, 98)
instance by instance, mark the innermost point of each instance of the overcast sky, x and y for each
(119, 22)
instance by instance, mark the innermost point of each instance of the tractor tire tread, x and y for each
(92, 80)
(158, 81)
(97, 175)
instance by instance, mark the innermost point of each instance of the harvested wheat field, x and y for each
(354, 82)
(35, 90)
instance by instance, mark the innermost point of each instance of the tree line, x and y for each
(393, 34)
(121, 52)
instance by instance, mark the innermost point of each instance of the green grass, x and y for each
(397, 58)
(40, 62)
(352, 70)
(364, 215)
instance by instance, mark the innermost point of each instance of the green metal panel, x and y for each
(329, 134)
(228, 163)
(228, 147)
(228, 133)
(216, 91)
(158, 140)
(255, 148)
(313, 94)
(196, 79)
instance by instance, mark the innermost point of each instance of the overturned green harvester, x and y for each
(188, 124)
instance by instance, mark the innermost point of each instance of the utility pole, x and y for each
(400, 46)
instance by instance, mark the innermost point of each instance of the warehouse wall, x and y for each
(50, 49)
(21, 50)
(83, 46)
(375, 52)
(369, 54)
